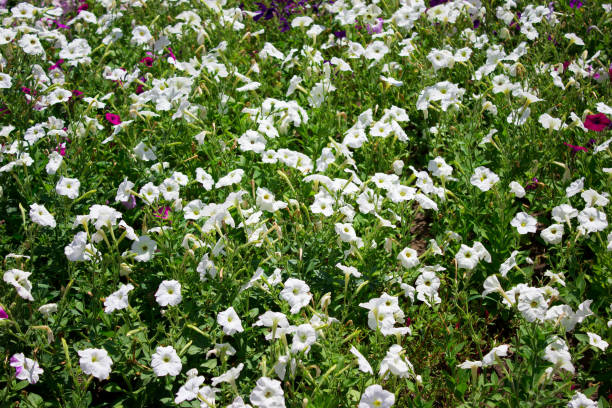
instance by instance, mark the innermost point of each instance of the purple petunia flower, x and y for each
(130, 203)
(575, 3)
(533, 185)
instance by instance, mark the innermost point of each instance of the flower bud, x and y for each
(398, 166)
(325, 300)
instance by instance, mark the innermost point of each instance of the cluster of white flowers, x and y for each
(370, 206)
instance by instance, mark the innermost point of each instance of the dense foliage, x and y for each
(305, 203)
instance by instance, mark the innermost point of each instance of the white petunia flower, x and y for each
(483, 178)
(144, 247)
(267, 394)
(165, 361)
(524, 223)
(118, 300)
(26, 368)
(230, 321)
(19, 280)
(169, 293)
(376, 397)
(95, 362)
(40, 216)
(596, 341)
(297, 293)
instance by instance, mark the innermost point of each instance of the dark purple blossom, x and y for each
(575, 3)
(533, 185)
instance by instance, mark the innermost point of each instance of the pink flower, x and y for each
(56, 65)
(61, 149)
(113, 118)
(171, 53)
(162, 212)
(148, 61)
(3, 314)
(83, 6)
(597, 122)
(576, 149)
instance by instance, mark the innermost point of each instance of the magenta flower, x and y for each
(148, 61)
(61, 149)
(575, 3)
(56, 65)
(60, 25)
(3, 314)
(162, 212)
(597, 123)
(83, 6)
(171, 53)
(113, 118)
(576, 149)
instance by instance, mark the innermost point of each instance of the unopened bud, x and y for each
(398, 166)
(124, 269)
(325, 300)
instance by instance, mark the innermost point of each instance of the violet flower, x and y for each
(533, 185)
(576, 3)
(376, 29)
(130, 203)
